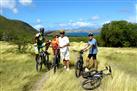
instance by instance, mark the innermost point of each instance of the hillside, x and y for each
(15, 29)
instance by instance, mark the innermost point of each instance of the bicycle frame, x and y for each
(101, 73)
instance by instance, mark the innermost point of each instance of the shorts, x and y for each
(92, 55)
(37, 49)
(65, 55)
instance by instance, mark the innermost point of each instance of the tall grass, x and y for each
(17, 71)
(122, 60)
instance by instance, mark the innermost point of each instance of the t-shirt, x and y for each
(55, 43)
(63, 41)
(40, 39)
(93, 49)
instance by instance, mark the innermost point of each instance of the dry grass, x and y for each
(17, 71)
(122, 60)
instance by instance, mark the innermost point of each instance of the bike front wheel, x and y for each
(78, 70)
(39, 64)
(91, 84)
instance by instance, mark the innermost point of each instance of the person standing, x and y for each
(55, 44)
(64, 49)
(92, 47)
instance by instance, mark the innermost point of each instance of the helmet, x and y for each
(90, 34)
(62, 32)
(42, 30)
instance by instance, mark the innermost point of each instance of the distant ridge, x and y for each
(15, 29)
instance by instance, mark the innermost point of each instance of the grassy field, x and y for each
(17, 71)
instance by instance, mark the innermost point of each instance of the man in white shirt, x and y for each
(64, 49)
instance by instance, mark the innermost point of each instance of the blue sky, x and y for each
(69, 14)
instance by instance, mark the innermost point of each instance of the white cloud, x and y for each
(82, 24)
(63, 25)
(12, 5)
(77, 24)
(8, 4)
(95, 18)
(132, 19)
(38, 20)
(25, 2)
(38, 26)
(107, 21)
(15, 10)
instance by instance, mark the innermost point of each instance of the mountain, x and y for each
(84, 29)
(15, 29)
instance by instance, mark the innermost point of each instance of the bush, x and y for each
(119, 34)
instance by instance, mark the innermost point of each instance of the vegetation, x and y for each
(124, 71)
(119, 34)
(17, 70)
(16, 31)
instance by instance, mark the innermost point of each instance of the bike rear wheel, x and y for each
(91, 84)
(56, 63)
(46, 62)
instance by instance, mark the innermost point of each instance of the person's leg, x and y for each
(67, 59)
(65, 63)
(87, 61)
(95, 65)
(63, 59)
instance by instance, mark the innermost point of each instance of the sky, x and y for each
(69, 14)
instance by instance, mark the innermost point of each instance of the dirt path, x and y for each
(40, 83)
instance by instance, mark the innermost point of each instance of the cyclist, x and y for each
(40, 42)
(92, 46)
(64, 49)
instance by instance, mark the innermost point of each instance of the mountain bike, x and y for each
(79, 64)
(94, 77)
(43, 58)
(56, 60)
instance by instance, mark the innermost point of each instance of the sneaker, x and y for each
(86, 69)
(67, 69)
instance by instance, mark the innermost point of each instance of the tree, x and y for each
(119, 34)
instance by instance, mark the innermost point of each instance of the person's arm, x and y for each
(86, 47)
(68, 44)
(65, 45)
(91, 44)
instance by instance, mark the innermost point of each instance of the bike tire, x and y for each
(55, 63)
(55, 68)
(38, 64)
(78, 70)
(91, 84)
(46, 62)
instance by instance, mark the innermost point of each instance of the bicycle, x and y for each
(43, 58)
(56, 60)
(79, 64)
(94, 77)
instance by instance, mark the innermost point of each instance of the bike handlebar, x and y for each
(81, 52)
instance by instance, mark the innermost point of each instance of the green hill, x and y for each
(15, 30)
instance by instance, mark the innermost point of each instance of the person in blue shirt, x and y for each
(92, 46)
